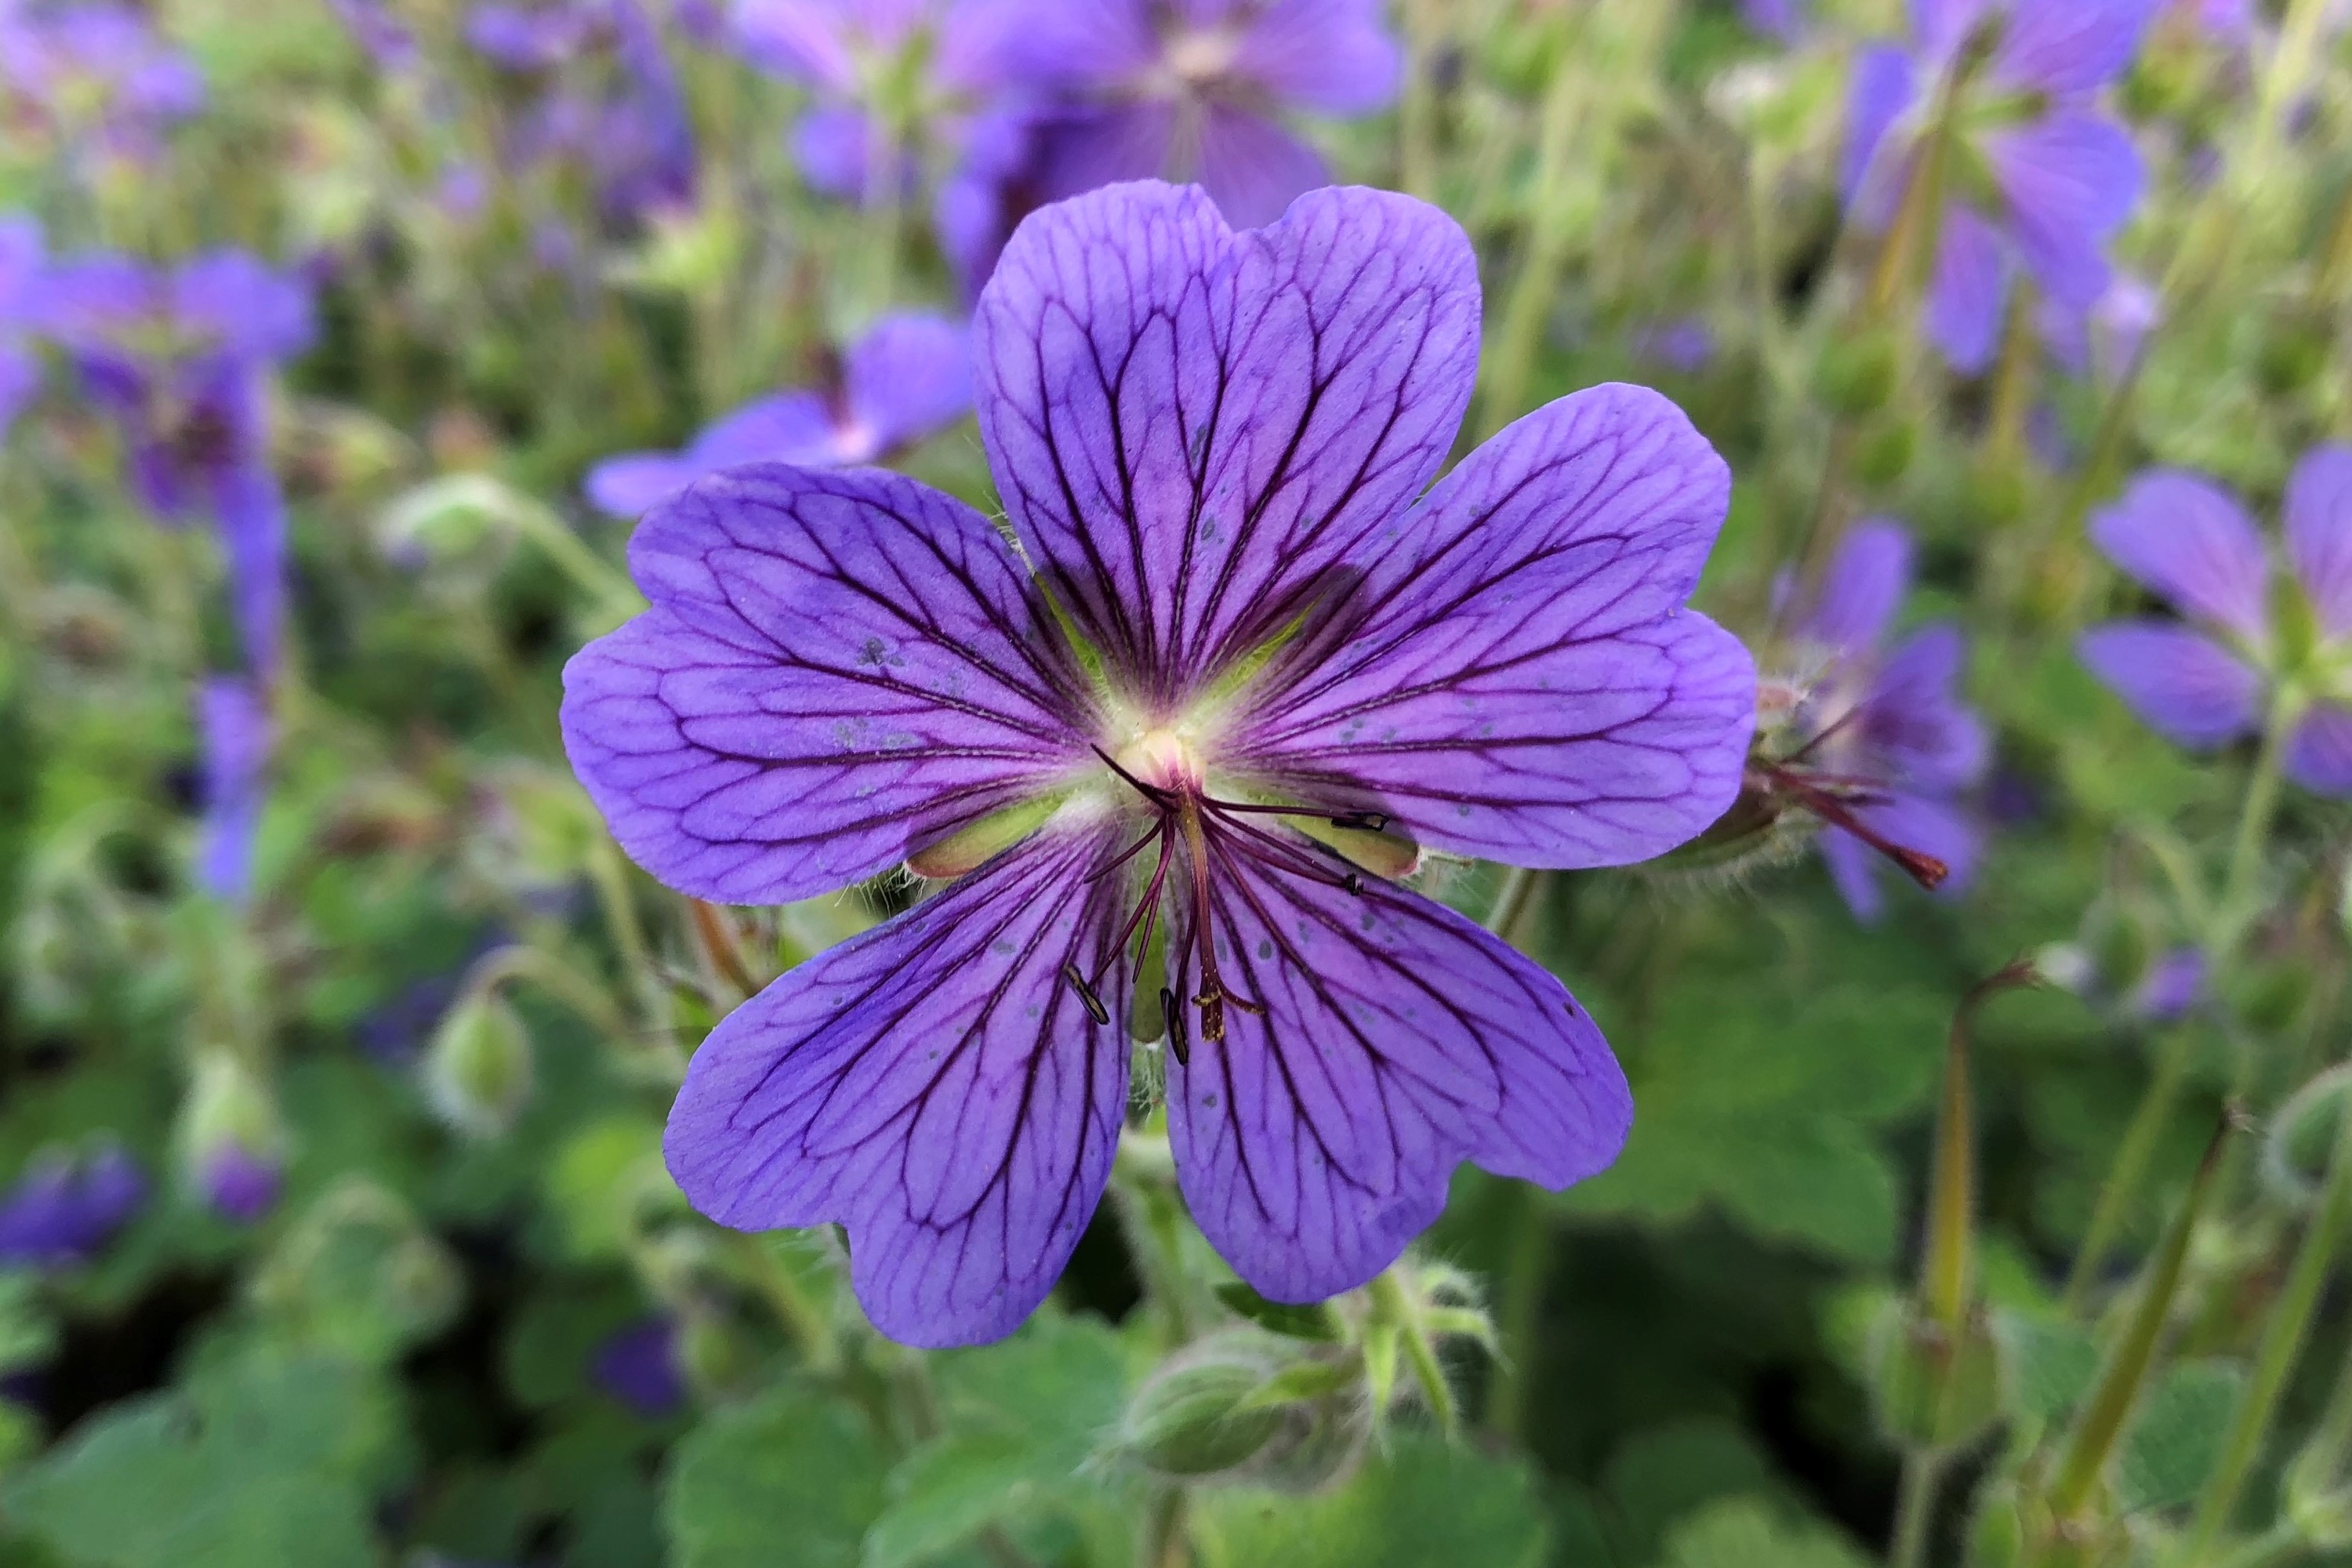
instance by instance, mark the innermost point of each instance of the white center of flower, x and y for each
(1198, 57)
(1162, 758)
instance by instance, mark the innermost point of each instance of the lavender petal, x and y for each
(2183, 685)
(2187, 541)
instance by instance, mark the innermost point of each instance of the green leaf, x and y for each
(2051, 1363)
(1023, 1417)
(1424, 1502)
(1312, 1321)
(791, 1480)
(2176, 1437)
(1748, 1532)
(28, 1333)
(1666, 1474)
(256, 1464)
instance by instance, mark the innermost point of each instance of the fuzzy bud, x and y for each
(477, 1070)
(235, 1149)
(1245, 1404)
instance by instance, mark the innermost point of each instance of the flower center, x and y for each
(1165, 758)
(1197, 58)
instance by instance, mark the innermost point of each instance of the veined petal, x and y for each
(909, 376)
(2187, 540)
(1396, 1039)
(1194, 429)
(2183, 685)
(1968, 289)
(838, 669)
(2319, 752)
(2320, 534)
(937, 1087)
(1517, 677)
(2068, 179)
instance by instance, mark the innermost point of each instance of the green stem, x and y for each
(2281, 1342)
(2254, 819)
(1417, 119)
(1164, 1544)
(2126, 1366)
(1511, 358)
(1526, 1273)
(2013, 379)
(820, 1347)
(2131, 1163)
(1914, 1507)
(1512, 900)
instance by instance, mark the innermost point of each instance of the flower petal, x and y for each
(1885, 88)
(1969, 290)
(2320, 534)
(2187, 541)
(1862, 589)
(2319, 752)
(2079, 45)
(2068, 179)
(838, 669)
(1193, 428)
(1251, 167)
(1516, 676)
(936, 1087)
(910, 375)
(2182, 686)
(1398, 1040)
(1914, 717)
(1334, 57)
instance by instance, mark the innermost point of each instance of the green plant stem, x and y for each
(2130, 1167)
(2014, 381)
(2281, 1342)
(1417, 117)
(2252, 840)
(801, 1318)
(1526, 1271)
(1512, 900)
(2126, 1366)
(1914, 1507)
(1164, 1544)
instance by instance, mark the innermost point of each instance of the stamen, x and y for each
(1095, 1008)
(1175, 1017)
(1158, 796)
(1923, 868)
(1346, 821)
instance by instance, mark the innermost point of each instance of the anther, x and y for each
(1094, 1004)
(1361, 821)
(1175, 1017)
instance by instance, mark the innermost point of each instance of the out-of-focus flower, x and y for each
(94, 73)
(2036, 178)
(608, 98)
(2173, 984)
(1781, 19)
(1877, 741)
(909, 377)
(234, 724)
(1130, 89)
(893, 80)
(1685, 344)
(2244, 662)
(1214, 448)
(234, 1145)
(21, 260)
(379, 31)
(2165, 990)
(181, 358)
(64, 1208)
(638, 1365)
(2107, 340)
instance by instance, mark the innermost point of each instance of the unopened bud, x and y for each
(1856, 373)
(1193, 1418)
(477, 1070)
(234, 1147)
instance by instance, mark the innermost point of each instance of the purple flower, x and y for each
(2108, 338)
(609, 98)
(95, 71)
(181, 358)
(62, 1210)
(638, 1366)
(1684, 344)
(1886, 747)
(908, 378)
(2059, 177)
(888, 76)
(1256, 669)
(233, 720)
(2240, 665)
(2173, 984)
(1781, 19)
(21, 252)
(379, 31)
(241, 1185)
(1178, 90)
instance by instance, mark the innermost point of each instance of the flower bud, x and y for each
(1935, 1389)
(234, 1146)
(1856, 373)
(1884, 454)
(477, 1070)
(1244, 1402)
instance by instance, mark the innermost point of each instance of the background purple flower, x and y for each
(234, 724)
(62, 1210)
(2215, 679)
(638, 1365)
(2062, 176)
(909, 377)
(21, 263)
(240, 1185)
(608, 98)
(1214, 447)
(1129, 90)
(1885, 727)
(95, 69)
(1781, 19)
